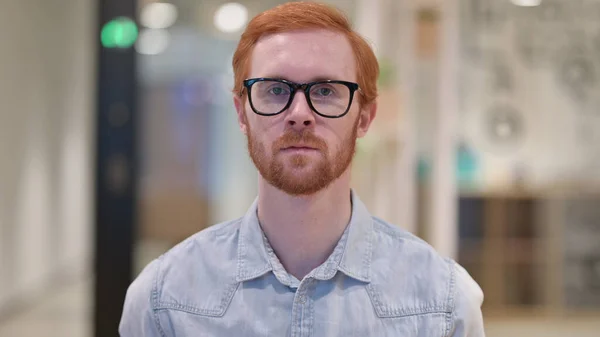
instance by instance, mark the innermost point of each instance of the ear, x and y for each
(238, 101)
(367, 115)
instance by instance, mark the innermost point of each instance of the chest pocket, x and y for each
(411, 314)
(210, 303)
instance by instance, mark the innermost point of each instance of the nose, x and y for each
(299, 115)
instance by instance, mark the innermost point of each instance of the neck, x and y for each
(304, 230)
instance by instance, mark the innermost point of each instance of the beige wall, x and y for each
(46, 109)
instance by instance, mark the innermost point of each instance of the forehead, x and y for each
(304, 56)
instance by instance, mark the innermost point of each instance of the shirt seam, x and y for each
(368, 255)
(384, 312)
(241, 252)
(155, 299)
(219, 312)
(451, 297)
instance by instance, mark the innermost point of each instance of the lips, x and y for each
(299, 148)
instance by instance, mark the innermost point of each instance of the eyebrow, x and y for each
(312, 79)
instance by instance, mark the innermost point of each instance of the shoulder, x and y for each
(410, 277)
(210, 248)
(192, 271)
(407, 254)
(467, 317)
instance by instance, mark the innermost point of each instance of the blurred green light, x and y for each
(119, 33)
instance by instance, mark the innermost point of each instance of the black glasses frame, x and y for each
(294, 87)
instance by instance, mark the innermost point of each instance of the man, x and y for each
(307, 259)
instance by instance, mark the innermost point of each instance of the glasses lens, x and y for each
(330, 99)
(270, 97)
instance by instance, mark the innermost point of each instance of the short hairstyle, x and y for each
(306, 15)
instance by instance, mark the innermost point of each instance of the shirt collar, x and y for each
(358, 250)
(351, 256)
(252, 261)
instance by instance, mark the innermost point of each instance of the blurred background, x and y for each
(118, 139)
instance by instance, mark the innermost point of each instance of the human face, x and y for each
(298, 151)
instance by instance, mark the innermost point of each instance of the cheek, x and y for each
(265, 129)
(345, 130)
(261, 136)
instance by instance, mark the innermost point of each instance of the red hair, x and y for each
(306, 15)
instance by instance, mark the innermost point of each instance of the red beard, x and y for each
(291, 173)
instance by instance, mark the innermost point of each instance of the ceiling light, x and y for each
(231, 17)
(152, 41)
(158, 15)
(527, 3)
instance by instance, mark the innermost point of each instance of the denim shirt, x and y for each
(227, 281)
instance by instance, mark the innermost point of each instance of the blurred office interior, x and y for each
(486, 144)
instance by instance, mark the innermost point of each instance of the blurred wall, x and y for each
(529, 102)
(46, 109)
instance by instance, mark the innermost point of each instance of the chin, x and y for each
(301, 190)
(300, 175)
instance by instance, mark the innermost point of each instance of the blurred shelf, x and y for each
(541, 313)
(532, 251)
(511, 251)
(549, 191)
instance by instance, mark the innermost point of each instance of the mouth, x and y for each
(299, 149)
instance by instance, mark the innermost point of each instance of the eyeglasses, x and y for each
(271, 96)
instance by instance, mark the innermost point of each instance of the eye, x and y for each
(277, 91)
(324, 91)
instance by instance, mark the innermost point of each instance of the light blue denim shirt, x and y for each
(227, 281)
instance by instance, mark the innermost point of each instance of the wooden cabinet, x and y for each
(537, 252)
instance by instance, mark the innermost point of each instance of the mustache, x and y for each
(305, 137)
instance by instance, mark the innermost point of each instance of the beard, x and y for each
(301, 174)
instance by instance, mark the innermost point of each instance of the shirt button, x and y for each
(302, 299)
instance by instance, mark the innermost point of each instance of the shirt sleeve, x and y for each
(468, 318)
(138, 318)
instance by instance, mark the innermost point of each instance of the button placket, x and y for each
(299, 309)
(304, 290)
(306, 303)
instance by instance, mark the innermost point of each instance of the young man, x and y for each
(307, 259)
